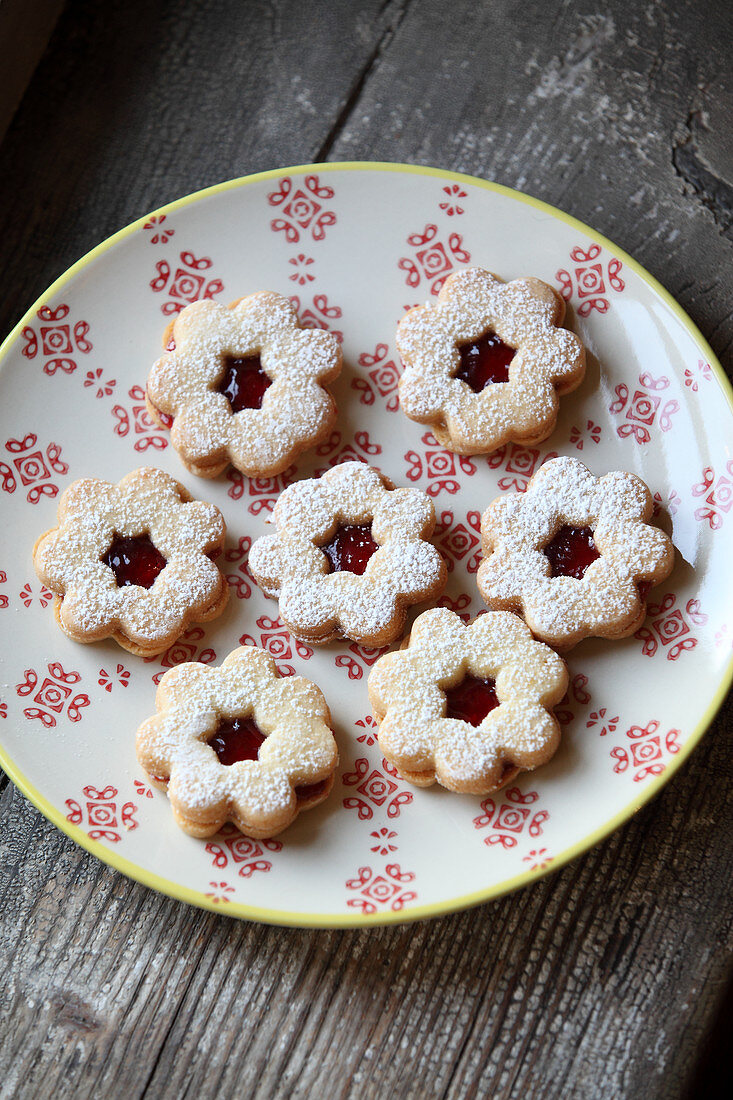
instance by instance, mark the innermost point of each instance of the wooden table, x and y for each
(610, 978)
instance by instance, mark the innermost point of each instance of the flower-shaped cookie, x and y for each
(470, 705)
(238, 743)
(244, 384)
(131, 561)
(349, 556)
(485, 364)
(573, 552)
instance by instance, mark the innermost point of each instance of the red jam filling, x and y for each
(237, 739)
(243, 382)
(484, 361)
(571, 551)
(134, 560)
(351, 548)
(471, 700)
(311, 790)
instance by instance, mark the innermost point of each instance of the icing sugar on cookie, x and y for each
(244, 384)
(486, 363)
(572, 553)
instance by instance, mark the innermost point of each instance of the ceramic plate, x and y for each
(355, 245)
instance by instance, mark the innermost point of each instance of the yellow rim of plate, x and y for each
(465, 901)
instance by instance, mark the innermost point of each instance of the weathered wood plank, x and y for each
(605, 979)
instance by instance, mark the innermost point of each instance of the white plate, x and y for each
(355, 244)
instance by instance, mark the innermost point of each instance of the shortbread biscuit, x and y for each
(574, 554)
(243, 384)
(468, 706)
(132, 561)
(350, 555)
(485, 365)
(238, 743)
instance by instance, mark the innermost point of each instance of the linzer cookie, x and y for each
(132, 561)
(238, 743)
(243, 384)
(349, 556)
(575, 554)
(467, 706)
(486, 363)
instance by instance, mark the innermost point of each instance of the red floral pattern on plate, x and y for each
(440, 468)
(104, 386)
(432, 260)
(375, 788)
(219, 895)
(302, 208)
(142, 788)
(135, 420)
(590, 434)
(4, 598)
(109, 680)
(454, 193)
(54, 694)
(159, 233)
(383, 838)
(361, 661)
(186, 648)
(240, 579)
(242, 852)
(717, 491)
(459, 542)
(33, 469)
(380, 890)
(538, 858)
(278, 642)
(508, 817)
(646, 753)
(301, 275)
(599, 717)
(591, 279)
(574, 698)
(369, 726)
(264, 491)
(643, 408)
(187, 281)
(319, 314)
(361, 449)
(97, 811)
(383, 378)
(56, 341)
(704, 373)
(461, 605)
(667, 625)
(519, 464)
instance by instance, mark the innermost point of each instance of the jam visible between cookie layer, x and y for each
(237, 739)
(471, 700)
(310, 791)
(134, 560)
(244, 382)
(571, 551)
(351, 548)
(484, 361)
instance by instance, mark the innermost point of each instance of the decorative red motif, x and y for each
(369, 736)
(375, 788)
(438, 466)
(454, 192)
(380, 890)
(461, 606)
(383, 837)
(319, 314)
(186, 283)
(300, 211)
(432, 261)
(361, 450)
(671, 504)
(588, 279)
(54, 695)
(665, 626)
(99, 810)
(44, 597)
(520, 463)
(240, 579)
(537, 859)
(96, 378)
(219, 894)
(704, 371)
(384, 376)
(279, 643)
(238, 849)
(459, 541)
(185, 649)
(718, 495)
(264, 490)
(56, 342)
(608, 725)
(3, 710)
(363, 658)
(576, 694)
(577, 435)
(4, 598)
(301, 275)
(32, 468)
(136, 421)
(642, 407)
(508, 818)
(142, 789)
(155, 226)
(646, 752)
(106, 679)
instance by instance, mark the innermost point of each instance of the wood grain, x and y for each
(612, 977)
